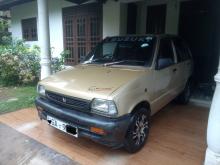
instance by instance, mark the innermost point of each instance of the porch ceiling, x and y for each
(7, 4)
(78, 1)
(83, 1)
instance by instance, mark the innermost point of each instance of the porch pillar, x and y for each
(213, 132)
(44, 37)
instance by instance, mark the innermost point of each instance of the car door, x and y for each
(164, 74)
(183, 65)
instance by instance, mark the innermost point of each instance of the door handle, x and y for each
(174, 70)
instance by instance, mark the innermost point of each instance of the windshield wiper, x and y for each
(118, 62)
(90, 61)
(113, 63)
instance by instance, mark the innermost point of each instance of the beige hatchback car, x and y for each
(112, 94)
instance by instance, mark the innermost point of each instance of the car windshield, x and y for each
(136, 51)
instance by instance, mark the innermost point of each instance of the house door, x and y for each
(197, 27)
(156, 19)
(82, 30)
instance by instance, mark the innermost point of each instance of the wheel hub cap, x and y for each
(140, 131)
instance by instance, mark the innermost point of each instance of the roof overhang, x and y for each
(83, 1)
(78, 1)
(7, 4)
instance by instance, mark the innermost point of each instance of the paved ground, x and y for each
(177, 137)
(19, 149)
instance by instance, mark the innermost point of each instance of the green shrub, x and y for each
(19, 64)
(57, 64)
(4, 25)
(9, 70)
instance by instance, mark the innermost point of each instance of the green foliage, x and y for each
(19, 64)
(3, 25)
(4, 34)
(58, 63)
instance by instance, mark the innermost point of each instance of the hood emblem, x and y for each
(64, 99)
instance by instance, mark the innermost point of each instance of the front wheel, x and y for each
(138, 131)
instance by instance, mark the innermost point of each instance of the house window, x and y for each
(29, 29)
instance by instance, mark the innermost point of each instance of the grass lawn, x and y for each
(15, 98)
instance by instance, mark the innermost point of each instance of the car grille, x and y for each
(68, 101)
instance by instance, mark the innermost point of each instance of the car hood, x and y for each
(88, 81)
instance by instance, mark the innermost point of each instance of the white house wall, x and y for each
(114, 19)
(115, 16)
(56, 25)
(18, 13)
(141, 18)
(172, 15)
(123, 19)
(111, 18)
(29, 10)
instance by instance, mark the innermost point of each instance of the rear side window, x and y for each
(165, 55)
(182, 50)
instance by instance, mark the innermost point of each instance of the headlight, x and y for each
(104, 107)
(41, 90)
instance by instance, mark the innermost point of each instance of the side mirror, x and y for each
(163, 63)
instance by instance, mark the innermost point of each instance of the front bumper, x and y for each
(115, 128)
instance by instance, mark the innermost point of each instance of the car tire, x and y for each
(184, 97)
(138, 130)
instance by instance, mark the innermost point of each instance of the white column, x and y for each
(111, 18)
(213, 132)
(44, 37)
(172, 16)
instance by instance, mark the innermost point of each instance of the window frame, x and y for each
(157, 53)
(29, 24)
(187, 52)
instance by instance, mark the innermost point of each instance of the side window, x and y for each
(181, 50)
(165, 56)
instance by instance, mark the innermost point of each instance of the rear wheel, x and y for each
(138, 131)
